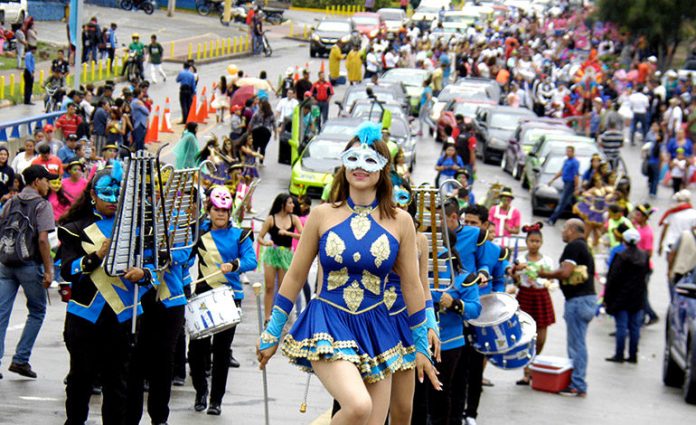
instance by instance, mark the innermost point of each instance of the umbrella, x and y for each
(254, 82)
(242, 94)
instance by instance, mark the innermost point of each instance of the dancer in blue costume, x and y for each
(345, 335)
(97, 323)
(403, 381)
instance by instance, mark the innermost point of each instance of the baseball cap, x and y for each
(47, 128)
(35, 172)
(72, 136)
(631, 236)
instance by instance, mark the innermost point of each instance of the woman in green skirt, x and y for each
(283, 226)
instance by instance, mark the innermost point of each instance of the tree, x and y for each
(662, 22)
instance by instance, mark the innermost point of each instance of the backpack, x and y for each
(18, 235)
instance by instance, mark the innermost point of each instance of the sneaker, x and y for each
(550, 222)
(633, 360)
(23, 369)
(572, 392)
(615, 359)
(178, 381)
(214, 409)
(201, 402)
(233, 362)
(0, 375)
(652, 321)
(96, 389)
(487, 383)
(470, 421)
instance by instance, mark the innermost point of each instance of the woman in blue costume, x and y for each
(403, 381)
(97, 323)
(345, 335)
(229, 250)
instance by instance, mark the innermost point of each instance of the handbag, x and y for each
(645, 167)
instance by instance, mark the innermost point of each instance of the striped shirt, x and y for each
(611, 141)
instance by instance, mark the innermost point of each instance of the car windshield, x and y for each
(398, 128)
(338, 128)
(363, 109)
(390, 15)
(555, 163)
(451, 92)
(427, 9)
(505, 120)
(466, 109)
(532, 136)
(324, 149)
(410, 77)
(362, 94)
(458, 19)
(365, 20)
(333, 26)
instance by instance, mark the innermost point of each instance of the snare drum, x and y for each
(523, 353)
(498, 328)
(211, 312)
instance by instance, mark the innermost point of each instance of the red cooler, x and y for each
(551, 374)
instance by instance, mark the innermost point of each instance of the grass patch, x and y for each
(45, 51)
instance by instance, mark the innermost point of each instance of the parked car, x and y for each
(400, 132)
(545, 196)
(453, 94)
(526, 135)
(366, 109)
(383, 93)
(679, 364)
(394, 19)
(327, 33)
(368, 24)
(467, 107)
(457, 20)
(13, 11)
(494, 127)
(315, 166)
(412, 80)
(491, 86)
(537, 154)
(428, 10)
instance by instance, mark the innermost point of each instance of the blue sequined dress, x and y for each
(349, 320)
(396, 305)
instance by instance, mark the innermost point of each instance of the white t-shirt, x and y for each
(285, 107)
(20, 162)
(639, 103)
(678, 222)
(371, 62)
(675, 118)
(529, 277)
(390, 60)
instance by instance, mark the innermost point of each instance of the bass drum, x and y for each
(523, 353)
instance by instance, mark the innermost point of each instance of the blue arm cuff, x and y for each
(429, 304)
(279, 316)
(431, 320)
(283, 303)
(420, 339)
(416, 319)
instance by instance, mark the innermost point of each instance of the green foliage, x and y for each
(323, 4)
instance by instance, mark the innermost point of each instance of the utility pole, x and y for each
(78, 40)
(171, 5)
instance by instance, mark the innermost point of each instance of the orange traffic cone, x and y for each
(297, 74)
(211, 108)
(192, 115)
(322, 67)
(152, 134)
(203, 111)
(166, 118)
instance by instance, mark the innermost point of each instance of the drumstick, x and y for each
(257, 291)
(196, 282)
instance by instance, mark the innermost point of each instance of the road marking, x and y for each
(27, 398)
(15, 328)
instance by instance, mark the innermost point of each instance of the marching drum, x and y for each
(523, 353)
(211, 312)
(498, 328)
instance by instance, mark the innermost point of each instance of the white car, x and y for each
(457, 21)
(13, 11)
(394, 19)
(428, 10)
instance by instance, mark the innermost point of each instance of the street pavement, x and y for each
(618, 394)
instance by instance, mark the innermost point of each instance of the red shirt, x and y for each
(53, 164)
(321, 90)
(68, 125)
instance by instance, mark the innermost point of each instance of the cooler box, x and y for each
(551, 374)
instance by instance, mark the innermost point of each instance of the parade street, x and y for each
(618, 394)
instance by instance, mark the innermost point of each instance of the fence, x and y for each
(26, 126)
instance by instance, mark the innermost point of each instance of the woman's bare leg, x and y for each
(269, 274)
(343, 382)
(401, 407)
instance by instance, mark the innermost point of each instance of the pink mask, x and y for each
(220, 197)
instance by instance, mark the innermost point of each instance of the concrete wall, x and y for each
(180, 4)
(47, 10)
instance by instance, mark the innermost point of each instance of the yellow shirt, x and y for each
(354, 66)
(335, 57)
(437, 79)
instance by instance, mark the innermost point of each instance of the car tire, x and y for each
(525, 182)
(503, 163)
(516, 172)
(484, 156)
(690, 373)
(672, 375)
(312, 53)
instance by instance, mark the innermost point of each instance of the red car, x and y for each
(369, 24)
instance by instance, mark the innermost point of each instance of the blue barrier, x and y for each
(31, 124)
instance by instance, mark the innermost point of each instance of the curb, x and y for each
(304, 40)
(222, 58)
(40, 97)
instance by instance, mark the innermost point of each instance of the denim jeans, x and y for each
(579, 311)
(30, 279)
(644, 124)
(628, 322)
(653, 177)
(565, 199)
(139, 133)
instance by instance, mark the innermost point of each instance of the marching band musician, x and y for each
(97, 332)
(160, 327)
(345, 335)
(228, 250)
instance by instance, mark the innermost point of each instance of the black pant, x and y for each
(443, 407)
(261, 136)
(97, 347)
(180, 356)
(468, 381)
(28, 86)
(185, 100)
(112, 55)
(199, 351)
(153, 359)
(419, 415)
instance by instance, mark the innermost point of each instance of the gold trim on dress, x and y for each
(353, 296)
(335, 247)
(356, 256)
(337, 278)
(342, 308)
(371, 282)
(390, 297)
(380, 250)
(360, 225)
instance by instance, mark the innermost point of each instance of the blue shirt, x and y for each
(139, 113)
(186, 78)
(470, 244)
(672, 148)
(452, 323)
(446, 161)
(29, 64)
(112, 38)
(571, 168)
(66, 154)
